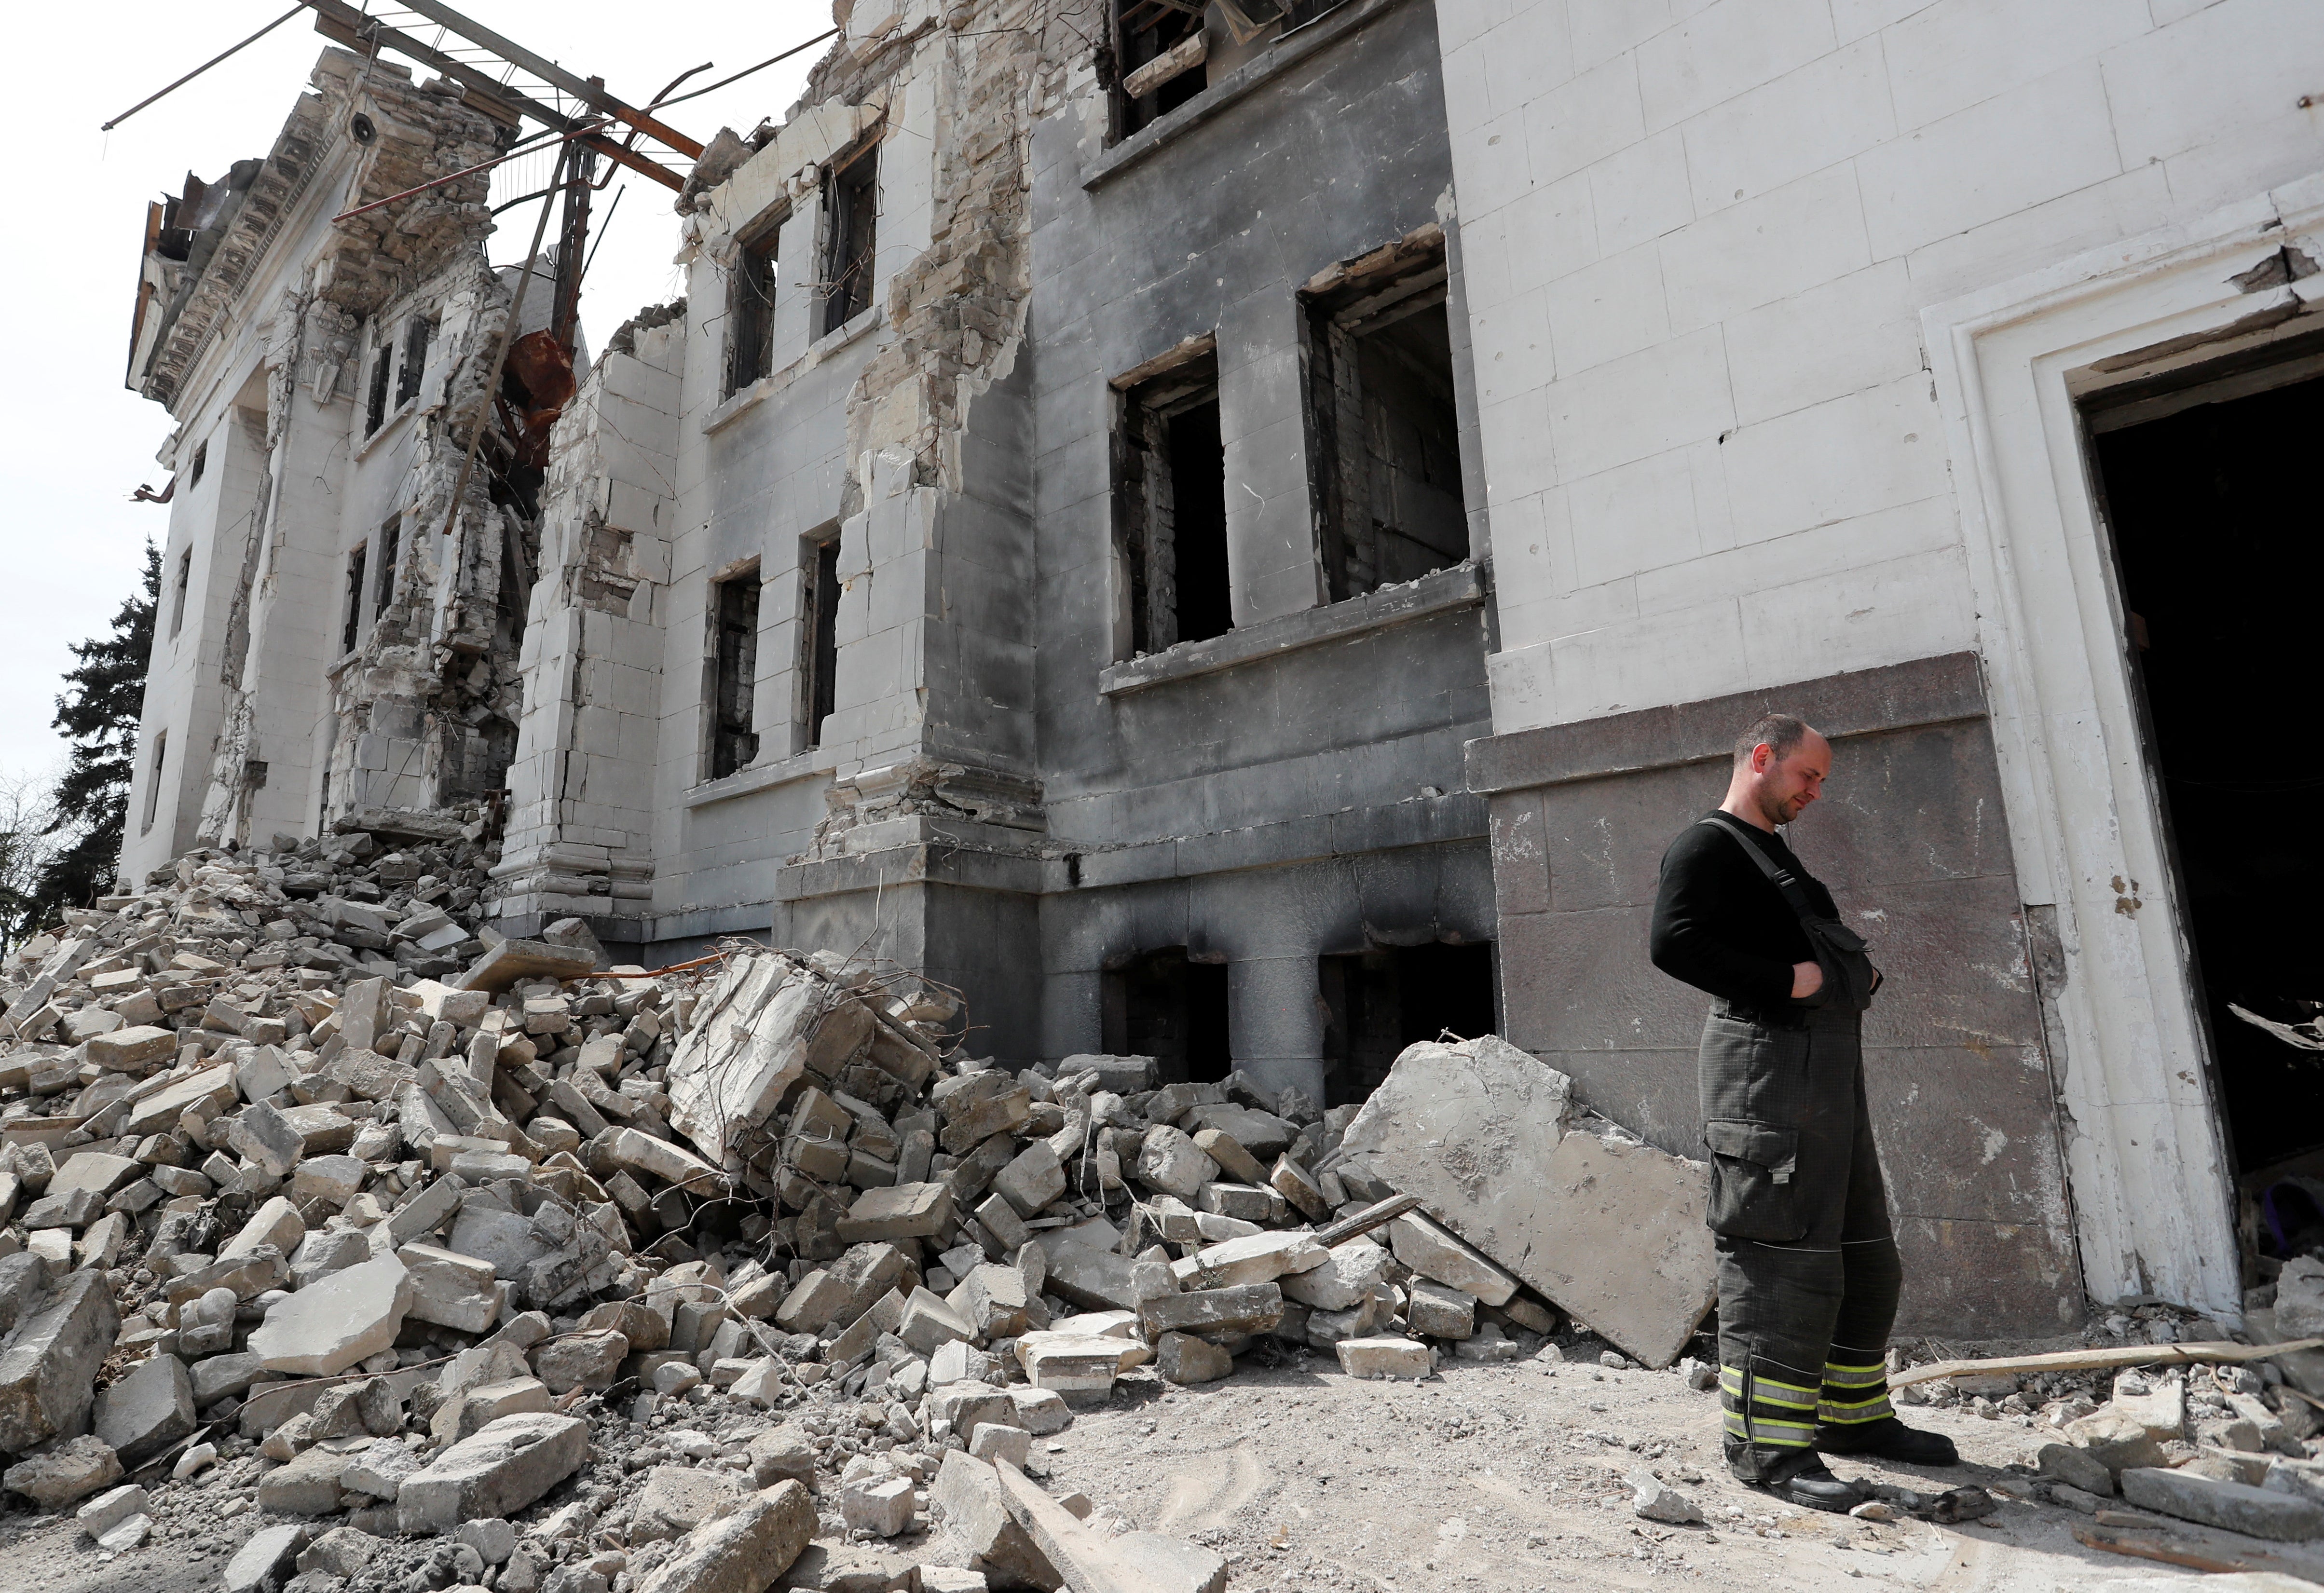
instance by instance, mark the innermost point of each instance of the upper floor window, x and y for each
(184, 579)
(351, 619)
(416, 335)
(851, 218)
(733, 672)
(201, 463)
(1384, 449)
(1162, 49)
(1170, 506)
(750, 309)
(819, 634)
(383, 370)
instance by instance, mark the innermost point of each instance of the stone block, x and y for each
(929, 1321)
(467, 1412)
(2115, 1442)
(263, 1136)
(1041, 1411)
(993, 1301)
(591, 1360)
(2300, 1298)
(333, 1180)
(452, 1290)
(146, 1409)
(1384, 1358)
(331, 1324)
(742, 1549)
(1349, 1273)
(1429, 1250)
(1170, 1163)
(98, 1171)
(2234, 1506)
(498, 1472)
(1134, 1562)
(814, 1303)
(881, 1506)
(1097, 1279)
(899, 1212)
(1182, 1357)
(1612, 1233)
(1438, 1310)
(781, 1453)
(1256, 1258)
(64, 1474)
(1247, 1308)
(343, 1552)
(977, 1106)
(275, 1225)
(110, 1508)
(308, 1485)
(1032, 1180)
(2076, 1468)
(676, 1499)
(1000, 1444)
(262, 1555)
(73, 1209)
(48, 1365)
(512, 959)
(125, 1050)
(966, 1494)
(1234, 1159)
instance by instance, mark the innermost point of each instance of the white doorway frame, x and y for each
(2147, 1155)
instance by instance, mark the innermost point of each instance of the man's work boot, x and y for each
(1802, 1480)
(1797, 1477)
(1886, 1439)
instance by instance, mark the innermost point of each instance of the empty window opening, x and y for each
(818, 637)
(382, 368)
(1165, 1005)
(351, 626)
(1383, 1000)
(385, 592)
(1171, 508)
(750, 311)
(734, 613)
(1384, 453)
(2204, 504)
(153, 780)
(850, 209)
(201, 463)
(178, 586)
(1163, 50)
(416, 338)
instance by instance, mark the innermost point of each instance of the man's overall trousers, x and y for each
(1808, 1273)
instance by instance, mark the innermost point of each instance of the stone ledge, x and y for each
(1288, 51)
(1461, 587)
(1940, 690)
(742, 399)
(798, 765)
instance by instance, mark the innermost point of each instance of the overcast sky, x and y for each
(74, 442)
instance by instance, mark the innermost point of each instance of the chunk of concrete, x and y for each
(1384, 1358)
(881, 1506)
(64, 1474)
(2233, 1505)
(1247, 1308)
(591, 1360)
(2075, 1467)
(331, 1324)
(742, 1549)
(262, 1555)
(966, 1494)
(1097, 1279)
(125, 1050)
(147, 1409)
(1134, 1562)
(1611, 1231)
(677, 1500)
(1438, 1310)
(452, 1290)
(512, 959)
(2114, 1442)
(1432, 1252)
(48, 1365)
(1349, 1273)
(930, 1322)
(308, 1485)
(110, 1508)
(1170, 1163)
(1031, 1180)
(897, 1212)
(1255, 1258)
(496, 1473)
(1181, 1357)
(263, 1136)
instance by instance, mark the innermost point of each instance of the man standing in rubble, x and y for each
(1808, 1271)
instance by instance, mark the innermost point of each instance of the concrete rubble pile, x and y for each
(317, 1191)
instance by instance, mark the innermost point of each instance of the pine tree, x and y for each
(105, 695)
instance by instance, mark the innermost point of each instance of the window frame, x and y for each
(859, 173)
(751, 329)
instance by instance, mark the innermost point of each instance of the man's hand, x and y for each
(1807, 979)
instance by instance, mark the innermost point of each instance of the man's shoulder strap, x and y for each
(1781, 878)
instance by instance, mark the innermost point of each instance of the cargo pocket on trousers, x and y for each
(1754, 1192)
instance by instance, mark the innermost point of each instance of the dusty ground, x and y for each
(1491, 1478)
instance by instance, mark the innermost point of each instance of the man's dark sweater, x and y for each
(1720, 925)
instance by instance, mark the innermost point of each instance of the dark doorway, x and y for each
(2210, 511)
(1385, 998)
(1160, 1004)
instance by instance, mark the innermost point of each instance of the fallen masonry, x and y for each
(528, 1273)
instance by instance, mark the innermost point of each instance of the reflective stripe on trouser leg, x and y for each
(1854, 1389)
(1764, 1409)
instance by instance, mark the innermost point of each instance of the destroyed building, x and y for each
(1113, 518)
